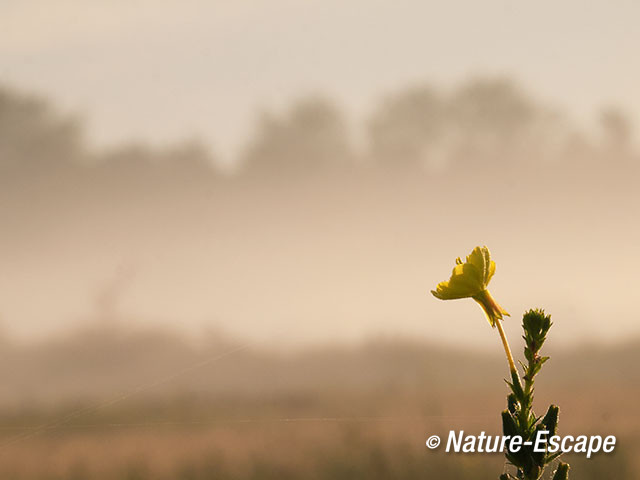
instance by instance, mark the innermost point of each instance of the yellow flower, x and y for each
(470, 280)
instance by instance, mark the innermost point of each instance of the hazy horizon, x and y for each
(220, 224)
(162, 71)
(312, 242)
(506, 125)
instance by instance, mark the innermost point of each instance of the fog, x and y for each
(168, 69)
(311, 238)
(220, 223)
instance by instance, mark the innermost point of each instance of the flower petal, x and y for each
(481, 258)
(466, 281)
(492, 270)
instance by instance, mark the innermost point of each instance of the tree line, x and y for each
(484, 123)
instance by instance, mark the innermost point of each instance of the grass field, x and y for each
(334, 413)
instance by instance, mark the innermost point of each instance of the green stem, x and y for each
(505, 343)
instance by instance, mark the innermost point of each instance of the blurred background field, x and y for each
(311, 240)
(107, 404)
(219, 226)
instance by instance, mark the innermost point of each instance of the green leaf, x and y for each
(562, 473)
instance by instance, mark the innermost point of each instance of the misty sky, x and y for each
(162, 70)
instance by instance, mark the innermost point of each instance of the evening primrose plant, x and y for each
(470, 279)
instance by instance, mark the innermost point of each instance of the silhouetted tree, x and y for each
(311, 136)
(483, 122)
(33, 136)
(407, 127)
(492, 119)
(185, 159)
(617, 132)
(138, 170)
